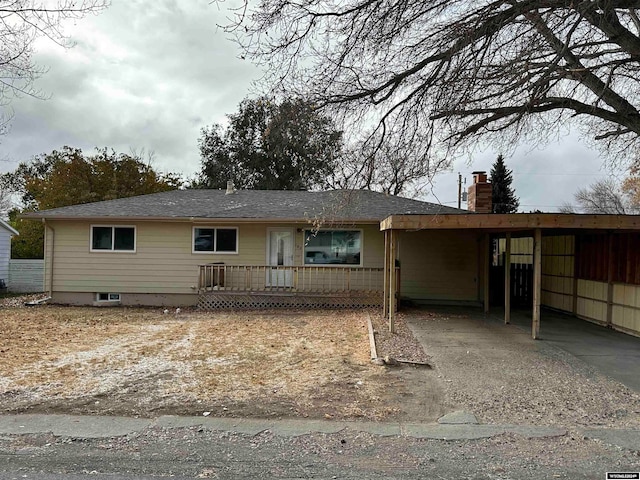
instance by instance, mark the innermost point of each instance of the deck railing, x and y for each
(308, 279)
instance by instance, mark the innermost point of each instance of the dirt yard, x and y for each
(144, 362)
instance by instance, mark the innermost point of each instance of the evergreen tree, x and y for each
(503, 196)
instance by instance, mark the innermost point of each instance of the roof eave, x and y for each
(511, 221)
(8, 227)
(98, 218)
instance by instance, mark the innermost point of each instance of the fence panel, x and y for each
(26, 276)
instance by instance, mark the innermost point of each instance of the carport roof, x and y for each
(511, 222)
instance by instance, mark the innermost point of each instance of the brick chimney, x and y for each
(479, 199)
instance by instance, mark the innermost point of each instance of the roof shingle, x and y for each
(333, 205)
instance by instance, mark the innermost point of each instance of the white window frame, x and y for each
(113, 239)
(343, 265)
(117, 297)
(215, 240)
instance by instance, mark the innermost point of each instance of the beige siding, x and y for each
(626, 307)
(439, 265)
(163, 261)
(521, 249)
(592, 300)
(592, 297)
(557, 272)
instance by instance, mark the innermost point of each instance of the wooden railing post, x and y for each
(305, 278)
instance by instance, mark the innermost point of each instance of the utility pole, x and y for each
(459, 189)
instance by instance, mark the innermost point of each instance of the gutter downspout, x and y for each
(53, 240)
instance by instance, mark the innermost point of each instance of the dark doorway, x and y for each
(521, 272)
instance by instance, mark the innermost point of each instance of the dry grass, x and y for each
(133, 361)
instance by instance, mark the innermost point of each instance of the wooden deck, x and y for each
(264, 286)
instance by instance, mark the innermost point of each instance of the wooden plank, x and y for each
(385, 311)
(372, 339)
(511, 221)
(537, 282)
(574, 306)
(392, 282)
(507, 279)
(609, 278)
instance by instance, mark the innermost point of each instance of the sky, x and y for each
(147, 76)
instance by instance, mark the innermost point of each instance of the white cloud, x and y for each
(141, 75)
(150, 75)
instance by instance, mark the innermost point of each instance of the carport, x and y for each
(585, 265)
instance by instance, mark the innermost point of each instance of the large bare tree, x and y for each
(21, 23)
(458, 70)
(603, 196)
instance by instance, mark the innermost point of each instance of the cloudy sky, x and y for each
(149, 75)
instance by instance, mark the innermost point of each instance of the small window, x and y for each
(108, 297)
(109, 239)
(215, 240)
(335, 247)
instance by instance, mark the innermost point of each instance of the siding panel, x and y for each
(439, 265)
(5, 253)
(163, 261)
(26, 276)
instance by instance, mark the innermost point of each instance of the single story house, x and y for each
(6, 232)
(217, 249)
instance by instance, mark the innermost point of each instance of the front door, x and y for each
(280, 254)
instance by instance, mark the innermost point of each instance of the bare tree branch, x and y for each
(504, 70)
(21, 23)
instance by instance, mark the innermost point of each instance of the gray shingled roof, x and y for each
(253, 204)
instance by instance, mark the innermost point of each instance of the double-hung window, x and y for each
(113, 238)
(334, 247)
(215, 240)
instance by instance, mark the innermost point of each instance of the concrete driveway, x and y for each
(615, 354)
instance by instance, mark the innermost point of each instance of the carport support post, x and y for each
(392, 282)
(385, 288)
(507, 279)
(537, 282)
(609, 279)
(487, 263)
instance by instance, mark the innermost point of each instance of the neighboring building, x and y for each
(6, 232)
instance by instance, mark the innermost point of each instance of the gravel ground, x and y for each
(18, 301)
(494, 371)
(198, 453)
(401, 345)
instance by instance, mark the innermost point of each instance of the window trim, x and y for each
(215, 240)
(109, 299)
(339, 265)
(113, 239)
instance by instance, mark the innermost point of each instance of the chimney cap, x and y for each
(477, 172)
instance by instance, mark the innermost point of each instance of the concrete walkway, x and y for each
(449, 427)
(105, 427)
